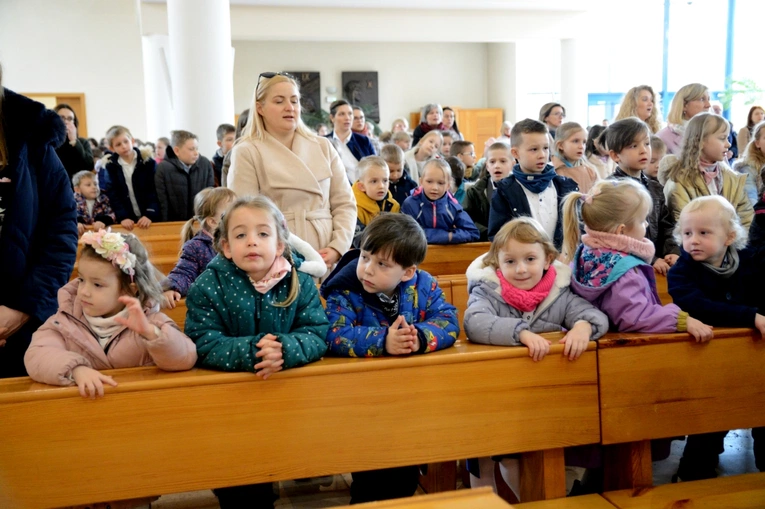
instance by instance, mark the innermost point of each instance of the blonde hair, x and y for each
(263, 203)
(431, 134)
(630, 103)
(724, 211)
(686, 166)
(255, 127)
(369, 162)
(206, 204)
(564, 132)
(145, 277)
(400, 121)
(521, 229)
(442, 165)
(115, 131)
(754, 156)
(611, 203)
(683, 96)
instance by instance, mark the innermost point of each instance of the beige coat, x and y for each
(307, 183)
(64, 342)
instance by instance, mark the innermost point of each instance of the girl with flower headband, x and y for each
(611, 267)
(251, 310)
(107, 318)
(519, 290)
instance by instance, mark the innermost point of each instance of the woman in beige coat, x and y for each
(278, 156)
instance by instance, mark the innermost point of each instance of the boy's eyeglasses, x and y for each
(269, 75)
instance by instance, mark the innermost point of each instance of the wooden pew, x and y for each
(581, 502)
(158, 433)
(463, 499)
(740, 492)
(441, 260)
(666, 385)
(168, 228)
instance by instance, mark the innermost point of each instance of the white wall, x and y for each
(81, 46)
(410, 75)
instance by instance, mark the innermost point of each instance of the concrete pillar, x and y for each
(502, 79)
(157, 86)
(201, 67)
(573, 88)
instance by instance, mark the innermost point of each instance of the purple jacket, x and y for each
(195, 255)
(629, 297)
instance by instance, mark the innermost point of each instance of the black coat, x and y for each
(402, 189)
(477, 204)
(359, 145)
(38, 240)
(176, 189)
(77, 157)
(111, 179)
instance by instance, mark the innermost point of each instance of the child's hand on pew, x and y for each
(671, 259)
(171, 297)
(127, 224)
(661, 266)
(270, 355)
(576, 340)
(144, 222)
(701, 331)
(80, 228)
(759, 323)
(91, 382)
(538, 346)
(98, 225)
(401, 338)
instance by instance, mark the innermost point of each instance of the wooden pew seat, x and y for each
(736, 492)
(162, 432)
(483, 498)
(582, 502)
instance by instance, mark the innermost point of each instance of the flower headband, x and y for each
(112, 247)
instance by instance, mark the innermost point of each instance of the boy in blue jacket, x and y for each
(437, 210)
(379, 303)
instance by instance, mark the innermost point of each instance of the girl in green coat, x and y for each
(251, 310)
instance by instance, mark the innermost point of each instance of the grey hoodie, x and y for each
(492, 321)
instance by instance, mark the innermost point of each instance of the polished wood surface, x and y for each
(583, 502)
(669, 385)
(482, 498)
(168, 228)
(452, 260)
(171, 432)
(737, 492)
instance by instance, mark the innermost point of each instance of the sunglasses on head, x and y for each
(269, 75)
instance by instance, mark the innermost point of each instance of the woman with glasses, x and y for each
(688, 101)
(552, 115)
(75, 153)
(279, 157)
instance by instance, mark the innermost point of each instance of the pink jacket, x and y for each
(64, 342)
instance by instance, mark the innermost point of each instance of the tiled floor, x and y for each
(334, 491)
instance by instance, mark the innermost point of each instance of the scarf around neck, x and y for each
(729, 264)
(105, 328)
(643, 248)
(363, 132)
(534, 182)
(527, 300)
(709, 170)
(276, 273)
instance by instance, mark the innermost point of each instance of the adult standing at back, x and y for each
(756, 115)
(688, 102)
(552, 115)
(640, 102)
(352, 147)
(431, 117)
(38, 224)
(450, 123)
(75, 153)
(278, 156)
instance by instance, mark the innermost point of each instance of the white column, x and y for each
(573, 88)
(201, 67)
(157, 86)
(502, 79)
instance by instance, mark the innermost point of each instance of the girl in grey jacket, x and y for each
(517, 291)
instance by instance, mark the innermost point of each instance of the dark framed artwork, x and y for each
(310, 91)
(360, 89)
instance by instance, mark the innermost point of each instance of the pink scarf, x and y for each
(708, 170)
(643, 248)
(527, 300)
(275, 273)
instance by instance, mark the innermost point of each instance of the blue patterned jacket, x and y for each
(358, 327)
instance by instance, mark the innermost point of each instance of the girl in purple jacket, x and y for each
(611, 267)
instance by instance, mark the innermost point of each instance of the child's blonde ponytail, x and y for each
(571, 231)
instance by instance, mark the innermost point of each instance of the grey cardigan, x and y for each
(492, 321)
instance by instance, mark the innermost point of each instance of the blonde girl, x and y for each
(689, 101)
(107, 318)
(753, 162)
(196, 247)
(569, 157)
(701, 170)
(279, 157)
(611, 266)
(428, 148)
(640, 102)
(756, 115)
